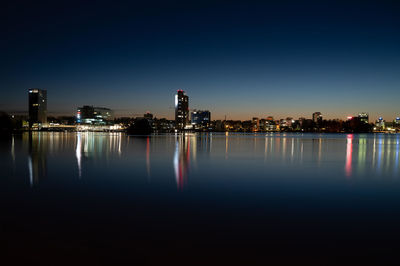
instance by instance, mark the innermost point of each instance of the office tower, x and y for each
(90, 115)
(37, 107)
(364, 118)
(201, 119)
(181, 110)
(317, 118)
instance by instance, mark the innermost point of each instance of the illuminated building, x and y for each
(364, 118)
(317, 118)
(256, 124)
(289, 122)
(89, 115)
(380, 123)
(37, 107)
(201, 119)
(181, 110)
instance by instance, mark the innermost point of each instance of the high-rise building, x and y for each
(91, 115)
(37, 107)
(181, 110)
(364, 118)
(201, 119)
(317, 118)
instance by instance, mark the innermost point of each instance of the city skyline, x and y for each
(237, 60)
(190, 109)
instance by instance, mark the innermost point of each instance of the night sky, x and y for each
(235, 58)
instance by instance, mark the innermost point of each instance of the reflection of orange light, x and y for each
(349, 152)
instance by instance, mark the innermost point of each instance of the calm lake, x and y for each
(105, 198)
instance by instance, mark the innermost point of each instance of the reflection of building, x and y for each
(37, 160)
(364, 118)
(90, 147)
(37, 107)
(181, 109)
(201, 119)
(90, 115)
(349, 155)
(181, 160)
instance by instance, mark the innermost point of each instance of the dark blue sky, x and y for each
(242, 59)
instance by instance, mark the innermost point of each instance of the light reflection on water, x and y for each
(351, 155)
(97, 195)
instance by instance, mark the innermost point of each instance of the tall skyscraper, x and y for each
(181, 109)
(37, 107)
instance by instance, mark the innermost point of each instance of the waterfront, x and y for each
(108, 197)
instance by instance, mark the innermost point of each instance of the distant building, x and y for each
(380, 123)
(302, 121)
(247, 125)
(317, 118)
(181, 110)
(37, 107)
(256, 124)
(364, 118)
(148, 116)
(289, 122)
(263, 124)
(90, 115)
(201, 119)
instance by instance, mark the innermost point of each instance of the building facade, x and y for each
(364, 118)
(37, 107)
(181, 110)
(201, 120)
(317, 118)
(90, 115)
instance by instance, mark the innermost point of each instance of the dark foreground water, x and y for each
(93, 199)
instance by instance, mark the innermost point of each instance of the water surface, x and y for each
(103, 198)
